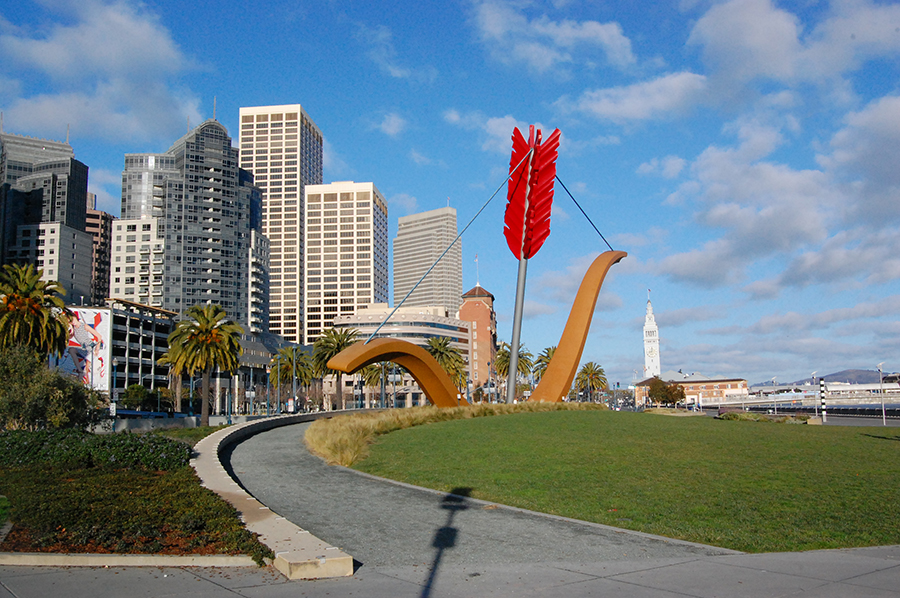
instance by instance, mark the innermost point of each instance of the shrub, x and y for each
(75, 449)
(33, 396)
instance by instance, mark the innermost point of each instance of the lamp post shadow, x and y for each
(445, 537)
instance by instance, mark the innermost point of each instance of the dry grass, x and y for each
(345, 440)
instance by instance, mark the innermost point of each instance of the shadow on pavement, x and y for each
(445, 537)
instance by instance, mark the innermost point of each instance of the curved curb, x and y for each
(298, 554)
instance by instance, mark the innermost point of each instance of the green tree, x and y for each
(501, 363)
(135, 397)
(206, 339)
(449, 358)
(591, 377)
(289, 363)
(32, 313)
(332, 342)
(176, 371)
(33, 396)
(371, 375)
(542, 361)
(665, 394)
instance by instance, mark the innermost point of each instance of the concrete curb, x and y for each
(298, 554)
(47, 559)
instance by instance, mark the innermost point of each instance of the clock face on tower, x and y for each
(651, 352)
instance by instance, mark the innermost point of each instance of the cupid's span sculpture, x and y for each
(435, 382)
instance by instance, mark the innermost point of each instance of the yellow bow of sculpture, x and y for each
(435, 382)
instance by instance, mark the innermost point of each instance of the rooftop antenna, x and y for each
(448, 201)
(214, 107)
(67, 134)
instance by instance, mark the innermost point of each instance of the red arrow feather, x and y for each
(530, 193)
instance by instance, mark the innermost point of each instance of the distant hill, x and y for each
(850, 376)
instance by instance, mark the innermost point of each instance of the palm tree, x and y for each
(176, 371)
(291, 363)
(592, 377)
(203, 341)
(32, 313)
(332, 342)
(501, 361)
(543, 360)
(449, 358)
(371, 375)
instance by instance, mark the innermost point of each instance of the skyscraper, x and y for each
(43, 203)
(185, 234)
(651, 344)
(346, 252)
(421, 239)
(99, 225)
(282, 147)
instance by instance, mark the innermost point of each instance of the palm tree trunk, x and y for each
(340, 392)
(178, 393)
(204, 398)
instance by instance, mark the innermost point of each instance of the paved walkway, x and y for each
(412, 542)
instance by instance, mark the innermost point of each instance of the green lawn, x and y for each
(749, 486)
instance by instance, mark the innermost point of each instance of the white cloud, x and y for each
(111, 66)
(404, 202)
(561, 286)
(747, 41)
(380, 41)
(675, 93)
(866, 153)
(108, 187)
(668, 167)
(543, 44)
(392, 124)
(332, 162)
(533, 309)
(419, 158)
(496, 131)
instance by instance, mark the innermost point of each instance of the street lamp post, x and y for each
(881, 384)
(815, 403)
(775, 395)
(115, 389)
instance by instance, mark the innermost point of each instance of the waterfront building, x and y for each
(651, 344)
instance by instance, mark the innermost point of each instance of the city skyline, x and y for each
(742, 152)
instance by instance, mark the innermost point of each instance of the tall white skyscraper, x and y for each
(346, 252)
(421, 239)
(282, 147)
(651, 344)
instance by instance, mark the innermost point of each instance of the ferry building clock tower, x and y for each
(651, 343)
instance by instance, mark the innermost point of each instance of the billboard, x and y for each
(87, 356)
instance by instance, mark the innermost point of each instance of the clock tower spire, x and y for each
(651, 343)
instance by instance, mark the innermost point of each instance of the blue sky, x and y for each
(746, 154)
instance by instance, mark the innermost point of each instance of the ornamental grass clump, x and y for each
(345, 440)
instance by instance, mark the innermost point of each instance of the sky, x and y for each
(745, 153)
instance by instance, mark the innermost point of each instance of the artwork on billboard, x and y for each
(87, 355)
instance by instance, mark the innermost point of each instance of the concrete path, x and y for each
(411, 542)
